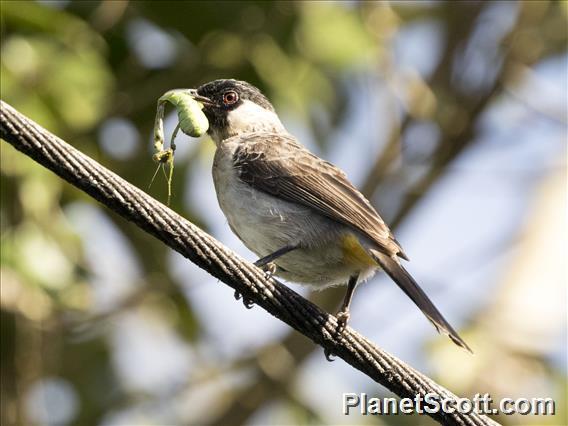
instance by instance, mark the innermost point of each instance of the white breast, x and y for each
(261, 221)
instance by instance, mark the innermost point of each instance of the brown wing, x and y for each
(280, 166)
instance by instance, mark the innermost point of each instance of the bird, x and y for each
(299, 213)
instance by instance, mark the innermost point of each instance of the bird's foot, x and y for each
(246, 301)
(268, 268)
(342, 320)
(328, 355)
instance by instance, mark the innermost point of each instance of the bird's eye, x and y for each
(230, 98)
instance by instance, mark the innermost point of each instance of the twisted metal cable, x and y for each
(183, 236)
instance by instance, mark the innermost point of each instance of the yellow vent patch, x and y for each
(355, 254)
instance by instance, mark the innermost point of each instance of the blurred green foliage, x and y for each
(73, 66)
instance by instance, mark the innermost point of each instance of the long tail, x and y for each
(405, 281)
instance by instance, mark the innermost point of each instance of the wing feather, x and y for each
(280, 166)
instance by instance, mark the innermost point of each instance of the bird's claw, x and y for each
(328, 355)
(246, 301)
(269, 269)
(342, 320)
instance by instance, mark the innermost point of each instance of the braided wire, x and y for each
(183, 236)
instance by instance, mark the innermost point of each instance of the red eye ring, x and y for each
(229, 98)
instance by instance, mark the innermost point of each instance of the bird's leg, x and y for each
(269, 269)
(273, 256)
(266, 262)
(343, 314)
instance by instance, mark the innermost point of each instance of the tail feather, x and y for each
(407, 284)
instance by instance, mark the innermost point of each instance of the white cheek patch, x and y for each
(250, 117)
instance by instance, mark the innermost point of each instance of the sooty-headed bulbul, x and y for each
(297, 212)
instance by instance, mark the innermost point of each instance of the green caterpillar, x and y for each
(192, 122)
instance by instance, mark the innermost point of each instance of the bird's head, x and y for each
(236, 107)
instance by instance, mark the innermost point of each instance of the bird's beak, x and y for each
(205, 101)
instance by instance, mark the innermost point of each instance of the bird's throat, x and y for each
(252, 118)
